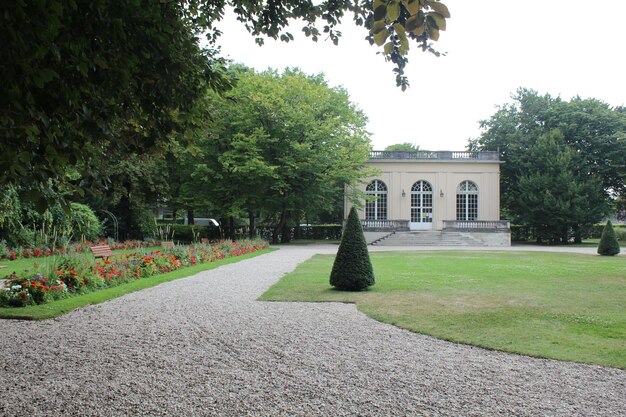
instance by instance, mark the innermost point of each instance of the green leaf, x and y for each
(399, 30)
(412, 6)
(44, 76)
(433, 33)
(381, 37)
(439, 8)
(380, 12)
(388, 48)
(378, 26)
(438, 20)
(393, 10)
(413, 23)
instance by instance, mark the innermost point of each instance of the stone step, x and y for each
(428, 238)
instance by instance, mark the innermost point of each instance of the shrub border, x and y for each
(59, 307)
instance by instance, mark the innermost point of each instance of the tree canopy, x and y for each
(575, 151)
(286, 142)
(405, 146)
(80, 79)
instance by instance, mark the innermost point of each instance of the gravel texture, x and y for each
(203, 346)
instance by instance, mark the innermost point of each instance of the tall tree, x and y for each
(284, 144)
(550, 196)
(405, 147)
(82, 78)
(594, 132)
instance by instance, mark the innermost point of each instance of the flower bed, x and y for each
(73, 274)
(11, 254)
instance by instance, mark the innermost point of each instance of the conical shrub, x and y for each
(608, 246)
(352, 270)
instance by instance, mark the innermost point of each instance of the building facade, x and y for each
(434, 191)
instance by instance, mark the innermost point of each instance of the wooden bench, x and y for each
(103, 251)
(167, 244)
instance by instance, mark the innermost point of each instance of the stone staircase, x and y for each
(429, 238)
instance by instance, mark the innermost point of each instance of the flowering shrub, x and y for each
(19, 292)
(79, 274)
(10, 254)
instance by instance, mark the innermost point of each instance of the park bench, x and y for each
(167, 244)
(103, 251)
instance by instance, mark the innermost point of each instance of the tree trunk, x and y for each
(297, 234)
(280, 226)
(252, 228)
(286, 234)
(231, 227)
(190, 218)
(578, 238)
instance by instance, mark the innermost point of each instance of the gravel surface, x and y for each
(203, 346)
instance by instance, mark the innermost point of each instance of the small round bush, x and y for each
(609, 246)
(352, 270)
(84, 222)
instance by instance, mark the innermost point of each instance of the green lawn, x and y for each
(60, 307)
(554, 305)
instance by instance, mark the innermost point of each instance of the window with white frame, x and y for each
(421, 202)
(376, 209)
(467, 201)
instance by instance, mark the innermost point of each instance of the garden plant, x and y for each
(72, 275)
(608, 246)
(352, 269)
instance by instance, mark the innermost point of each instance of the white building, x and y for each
(443, 196)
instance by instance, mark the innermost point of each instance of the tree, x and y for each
(594, 132)
(82, 79)
(405, 147)
(608, 246)
(548, 195)
(352, 269)
(286, 142)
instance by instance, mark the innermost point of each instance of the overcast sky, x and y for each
(561, 47)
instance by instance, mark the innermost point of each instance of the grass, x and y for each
(553, 305)
(60, 307)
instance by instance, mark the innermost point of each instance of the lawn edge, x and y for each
(64, 306)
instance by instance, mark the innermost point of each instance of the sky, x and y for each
(493, 47)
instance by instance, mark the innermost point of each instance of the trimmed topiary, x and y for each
(609, 245)
(352, 270)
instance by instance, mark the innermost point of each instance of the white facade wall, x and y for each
(444, 177)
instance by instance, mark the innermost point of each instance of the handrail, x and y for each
(429, 155)
(476, 225)
(385, 224)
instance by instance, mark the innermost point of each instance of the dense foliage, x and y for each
(82, 79)
(352, 269)
(608, 246)
(282, 147)
(564, 162)
(83, 82)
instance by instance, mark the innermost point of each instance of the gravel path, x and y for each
(203, 346)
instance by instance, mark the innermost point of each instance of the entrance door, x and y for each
(421, 206)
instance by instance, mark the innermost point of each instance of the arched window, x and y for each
(377, 208)
(467, 201)
(421, 202)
